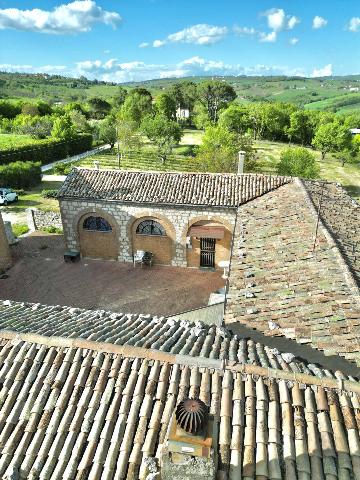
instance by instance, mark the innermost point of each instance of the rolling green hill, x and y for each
(331, 93)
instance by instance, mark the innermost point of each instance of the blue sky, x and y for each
(143, 39)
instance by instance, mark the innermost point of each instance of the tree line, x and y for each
(211, 105)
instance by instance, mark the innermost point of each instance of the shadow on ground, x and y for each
(41, 275)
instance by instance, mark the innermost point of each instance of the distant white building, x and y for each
(355, 131)
(182, 113)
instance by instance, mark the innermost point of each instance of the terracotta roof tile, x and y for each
(109, 414)
(218, 190)
(158, 333)
(282, 286)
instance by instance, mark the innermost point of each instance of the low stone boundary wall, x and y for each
(39, 219)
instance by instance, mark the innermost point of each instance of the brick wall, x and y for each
(176, 222)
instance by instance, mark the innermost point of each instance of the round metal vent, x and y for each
(191, 415)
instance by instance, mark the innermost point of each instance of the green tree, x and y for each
(136, 107)
(107, 131)
(298, 162)
(119, 97)
(215, 95)
(99, 108)
(79, 121)
(301, 128)
(128, 138)
(200, 117)
(9, 109)
(38, 127)
(350, 154)
(236, 119)
(166, 105)
(63, 129)
(164, 133)
(30, 109)
(220, 148)
(184, 94)
(332, 137)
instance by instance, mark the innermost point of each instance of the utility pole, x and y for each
(117, 144)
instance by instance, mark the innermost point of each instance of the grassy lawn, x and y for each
(330, 168)
(33, 199)
(10, 140)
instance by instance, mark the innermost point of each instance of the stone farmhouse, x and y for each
(94, 394)
(185, 219)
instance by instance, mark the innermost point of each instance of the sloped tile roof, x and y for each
(166, 335)
(78, 413)
(341, 215)
(217, 190)
(280, 286)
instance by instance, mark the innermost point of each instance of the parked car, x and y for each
(7, 195)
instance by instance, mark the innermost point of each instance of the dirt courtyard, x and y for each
(41, 275)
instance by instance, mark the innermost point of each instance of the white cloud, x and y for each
(114, 70)
(354, 24)
(278, 20)
(158, 43)
(144, 45)
(74, 17)
(252, 32)
(50, 69)
(268, 37)
(293, 41)
(245, 31)
(323, 72)
(200, 34)
(319, 22)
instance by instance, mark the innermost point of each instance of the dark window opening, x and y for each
(97, 224)
(150, 227)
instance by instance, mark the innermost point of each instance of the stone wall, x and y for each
(125, 216)
(39, 219)
(5, 255)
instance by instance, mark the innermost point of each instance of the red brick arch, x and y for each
(163, 247)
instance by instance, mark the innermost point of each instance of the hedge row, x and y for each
(20, 174)
(47, 150)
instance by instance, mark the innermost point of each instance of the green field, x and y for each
(330, 168)
(8, 140)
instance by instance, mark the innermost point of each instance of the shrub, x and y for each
(63, 168)
(19, 229)
(46, 151)
(52, 229)
(298, 162)
(20, 174)
(49, 193)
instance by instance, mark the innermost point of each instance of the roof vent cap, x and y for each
(191, 415)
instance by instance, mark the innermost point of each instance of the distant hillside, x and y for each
(340, 94)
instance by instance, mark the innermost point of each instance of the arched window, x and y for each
(96, 224)
(150, 227)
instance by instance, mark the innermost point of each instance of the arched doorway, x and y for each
(154, 235)
(208, 243)
(97, 237)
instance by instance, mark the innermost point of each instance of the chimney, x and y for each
(241, 162)
(190, 447)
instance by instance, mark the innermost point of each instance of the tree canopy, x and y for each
(298, 162)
